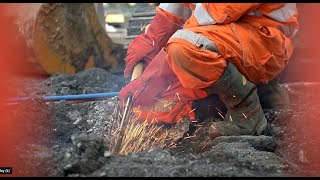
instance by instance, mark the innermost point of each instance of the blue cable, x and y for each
(66, 97)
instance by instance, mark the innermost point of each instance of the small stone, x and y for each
(150, 150)
(301, 156)
(73, 138)
(67, 155)
(107, 154)
(134, 156)
(110, 103)
(68, 166)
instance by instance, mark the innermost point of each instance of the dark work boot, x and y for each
(273, 96)
(245, 115)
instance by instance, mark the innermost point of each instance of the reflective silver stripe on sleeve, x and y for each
(251, 13)
(284, 13)
(294, 32)
(255, 13)
(288, 30)
(196, 39)
(281, 15)
(177, 9)
(202, 16)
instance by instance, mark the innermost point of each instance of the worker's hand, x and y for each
(141, 49)
(154, 80)
(146, 46)
(141, 91)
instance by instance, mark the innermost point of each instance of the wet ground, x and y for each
(69, 139)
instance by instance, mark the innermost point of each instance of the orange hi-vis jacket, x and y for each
(256, 37)
(281, 15)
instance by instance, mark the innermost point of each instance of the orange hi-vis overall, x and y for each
(256, 37)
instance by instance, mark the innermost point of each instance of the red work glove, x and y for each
(146, 46)
(155, 80)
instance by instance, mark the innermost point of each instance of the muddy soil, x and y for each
(71, 138)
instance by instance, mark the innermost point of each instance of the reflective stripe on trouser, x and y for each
(196, 63)
(177, 9)
(196, 39)
(198, 55)
(282, 15)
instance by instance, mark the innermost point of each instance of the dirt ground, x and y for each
(71, 138)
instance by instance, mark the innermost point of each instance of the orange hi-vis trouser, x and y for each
(199, 55)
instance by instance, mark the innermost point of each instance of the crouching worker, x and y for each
(193, 50)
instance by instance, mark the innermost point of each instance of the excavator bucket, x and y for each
(68, 38)
(61, 37)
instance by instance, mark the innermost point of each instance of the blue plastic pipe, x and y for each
(66, 97)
